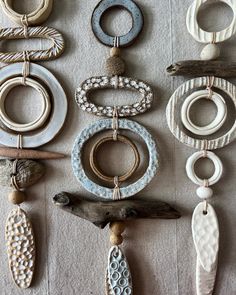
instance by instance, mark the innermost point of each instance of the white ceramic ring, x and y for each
(36, 17)
(58, 112)
(216, 124)
(191, 170)
(5, 89)
(207, 37)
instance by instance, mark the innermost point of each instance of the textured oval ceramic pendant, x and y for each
(205, 230)
(20, 247)
(118, 278)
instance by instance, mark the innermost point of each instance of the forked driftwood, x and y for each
(101, 213)
(198, 68)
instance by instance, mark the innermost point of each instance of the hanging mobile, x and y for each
(205, 229)
(18, 168)
(117, 208)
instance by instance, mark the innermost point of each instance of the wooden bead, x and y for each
(117, 227)
(115, 51)
(115, 66)
(116, 240)
(16, 197)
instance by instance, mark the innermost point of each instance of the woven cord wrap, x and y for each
(116, 192)
(115, 124)
(13, 175)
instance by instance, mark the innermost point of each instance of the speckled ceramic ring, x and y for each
(216, 124)
(126, 39)
(5, 89)
(204, 154)
(103, 192)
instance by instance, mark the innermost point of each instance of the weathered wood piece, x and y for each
(101, 213)
(29, 154)
(198, 68)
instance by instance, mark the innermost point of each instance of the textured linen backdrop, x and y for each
(72, 253)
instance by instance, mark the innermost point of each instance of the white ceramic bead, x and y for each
(204, 192)
(210, 51)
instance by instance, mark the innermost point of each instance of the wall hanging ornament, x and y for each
(205, 229)
(119, 207)
(18, 166)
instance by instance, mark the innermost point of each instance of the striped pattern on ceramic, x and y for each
(172, 115)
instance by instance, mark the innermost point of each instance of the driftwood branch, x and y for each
(199, 68)
(101, 213)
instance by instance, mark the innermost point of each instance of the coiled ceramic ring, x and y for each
(216, 124)
(5, 89)
(204, 154)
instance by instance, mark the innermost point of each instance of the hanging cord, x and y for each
(13, 175)
(210, 84)
(116, 192)
(25, 24)
(26, 65)
(213, 38)
(116, 45)
(115, 124)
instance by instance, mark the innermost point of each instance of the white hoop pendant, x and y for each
(36, 17)
(172, 114)
(191, 171)
(216, 124)
(207, 37)
(4, 90)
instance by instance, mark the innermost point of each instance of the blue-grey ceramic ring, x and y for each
(137, 22)
(104, 192)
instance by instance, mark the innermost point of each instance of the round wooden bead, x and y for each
(16, 197)
(116, 240)
(117, 227)
(204, 192)
(115, 51)
(210, 52)
(115, 66)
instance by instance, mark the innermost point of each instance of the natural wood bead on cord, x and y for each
(16, 197)
(116, 228)
(115, 65)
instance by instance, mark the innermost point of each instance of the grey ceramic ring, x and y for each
(58, 113)
(137, 22)
(104, 192)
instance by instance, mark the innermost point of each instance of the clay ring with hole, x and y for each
(101, 191)
(36, 17)
(96, 169)
(207, 37)
(204, 154)
(58, 112)
(5, 89)
(212, 127)
(137, 22)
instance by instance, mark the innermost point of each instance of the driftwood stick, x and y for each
(197, 68)
(101, 213)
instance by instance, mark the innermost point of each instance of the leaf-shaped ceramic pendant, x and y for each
(205, 230)
(205, 281)
(118, 277)
(20, 247)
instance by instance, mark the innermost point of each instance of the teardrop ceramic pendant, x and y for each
(118, 278)
(20, 247)
(205, 230)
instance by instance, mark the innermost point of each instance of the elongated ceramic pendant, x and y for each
(20, 247)
(118, 277)
(205, 230)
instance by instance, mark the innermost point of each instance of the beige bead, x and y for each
(117, 227)
(16, 197)
(115, 51)
(115, 66)
(116, 240)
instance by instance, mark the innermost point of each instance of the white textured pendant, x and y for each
(118, 277)
(205, 230)
(20, 248)
(205, 281)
